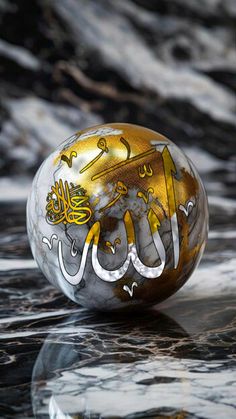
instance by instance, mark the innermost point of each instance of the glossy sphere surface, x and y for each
(117, 217)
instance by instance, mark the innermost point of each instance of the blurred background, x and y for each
(166, 64)
(65, 65)
(69, 64)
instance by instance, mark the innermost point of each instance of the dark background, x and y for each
(69, 64)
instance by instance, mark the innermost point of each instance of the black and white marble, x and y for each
(61, 361)
(167, 65)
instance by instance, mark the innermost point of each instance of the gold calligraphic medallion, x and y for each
(117, 217)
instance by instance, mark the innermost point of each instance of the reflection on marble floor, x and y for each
(174, 362)
(60, 361)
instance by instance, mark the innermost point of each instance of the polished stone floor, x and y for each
(165, 64)
(177, 360)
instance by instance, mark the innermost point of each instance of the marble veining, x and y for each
(61, 361)
(68, 65)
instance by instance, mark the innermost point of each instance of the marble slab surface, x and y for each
(176, 360)
(67, 65)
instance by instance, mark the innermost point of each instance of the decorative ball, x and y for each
(117, 217)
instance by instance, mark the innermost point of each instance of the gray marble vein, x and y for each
(167, 65)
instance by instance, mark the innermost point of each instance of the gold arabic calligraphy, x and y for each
(66, 204)
(102, 145)
(68, 160)
(70, 204)
(145, 171)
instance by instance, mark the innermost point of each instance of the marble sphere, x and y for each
(117, 217)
